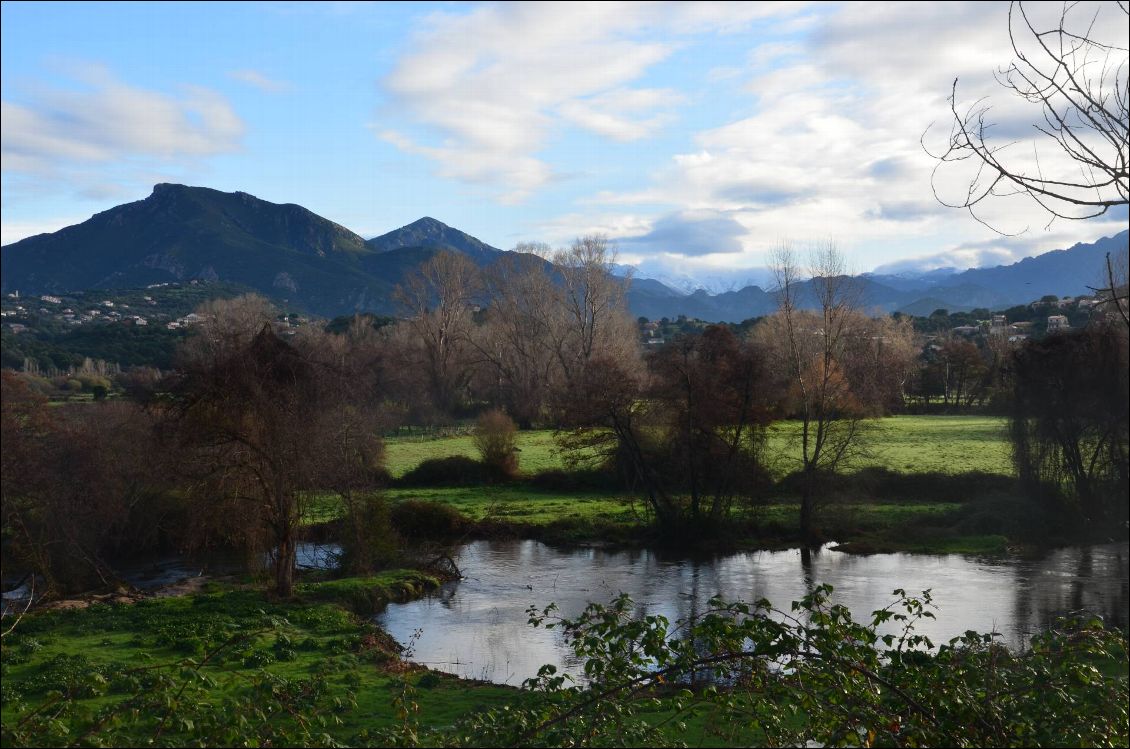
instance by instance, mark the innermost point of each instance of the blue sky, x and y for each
(698, 136)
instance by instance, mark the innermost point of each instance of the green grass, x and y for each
(914, 444)
(102, 646)
(909, 444)
(51, 649)
(520, 504)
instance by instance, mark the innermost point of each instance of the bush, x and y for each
(455, 470)
(494, 439)
(419, 519)
(368, 541)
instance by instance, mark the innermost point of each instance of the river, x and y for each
(477, 627)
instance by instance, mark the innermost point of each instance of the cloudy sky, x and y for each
(699, 136)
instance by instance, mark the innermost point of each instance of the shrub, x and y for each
(419, 519)
(456, 470)
(494, 439)
(368, 541)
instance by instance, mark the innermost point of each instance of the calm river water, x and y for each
(477, 627)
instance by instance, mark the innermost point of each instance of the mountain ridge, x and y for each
(288, 252)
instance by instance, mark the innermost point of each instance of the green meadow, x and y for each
(908, 444)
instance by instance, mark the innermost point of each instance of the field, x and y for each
(910, 444)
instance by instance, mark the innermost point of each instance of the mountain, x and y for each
(1069, 272)
(180, 233)
(427, 232)
(289, 253)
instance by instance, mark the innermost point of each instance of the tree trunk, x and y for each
(807, 531)
(284, 567)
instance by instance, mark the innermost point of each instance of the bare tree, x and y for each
(516, 343)
(1077, 73)
(438, 298)
(594, 318)
(1070, 421)
(809, 348)
(79, 485)
(259, 430)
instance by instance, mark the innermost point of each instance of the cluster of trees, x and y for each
(959, 374)
(1070, 422)
(549, 315)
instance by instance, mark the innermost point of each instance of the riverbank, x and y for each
(206, 656)
(225, 640)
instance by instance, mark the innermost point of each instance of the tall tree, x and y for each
(255, 421)
(438, 298)
(713, 407)
(809, 349)
(516, 341)
(593, 319)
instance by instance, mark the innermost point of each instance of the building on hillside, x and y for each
(1057, 322)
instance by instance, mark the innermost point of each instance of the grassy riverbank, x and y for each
(206, 658)
(232, 666)
(102, 653)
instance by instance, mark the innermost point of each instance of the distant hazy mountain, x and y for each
(1069, 272)
(1061, 272)
(289, 253)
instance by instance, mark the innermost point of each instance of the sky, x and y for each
(698, 136)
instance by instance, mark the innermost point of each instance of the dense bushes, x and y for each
(456, 470)
(416, 519)
(368, 541)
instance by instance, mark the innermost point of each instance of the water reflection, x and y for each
(477, 628)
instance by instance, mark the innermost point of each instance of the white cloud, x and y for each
(830, 145)
(260, 81)
(108, 121)
(492, 84)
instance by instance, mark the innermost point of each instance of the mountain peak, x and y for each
(433, 234)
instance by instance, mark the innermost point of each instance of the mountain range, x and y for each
(290, 253)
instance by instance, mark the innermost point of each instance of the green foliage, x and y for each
(737, 674)
(813, 674)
